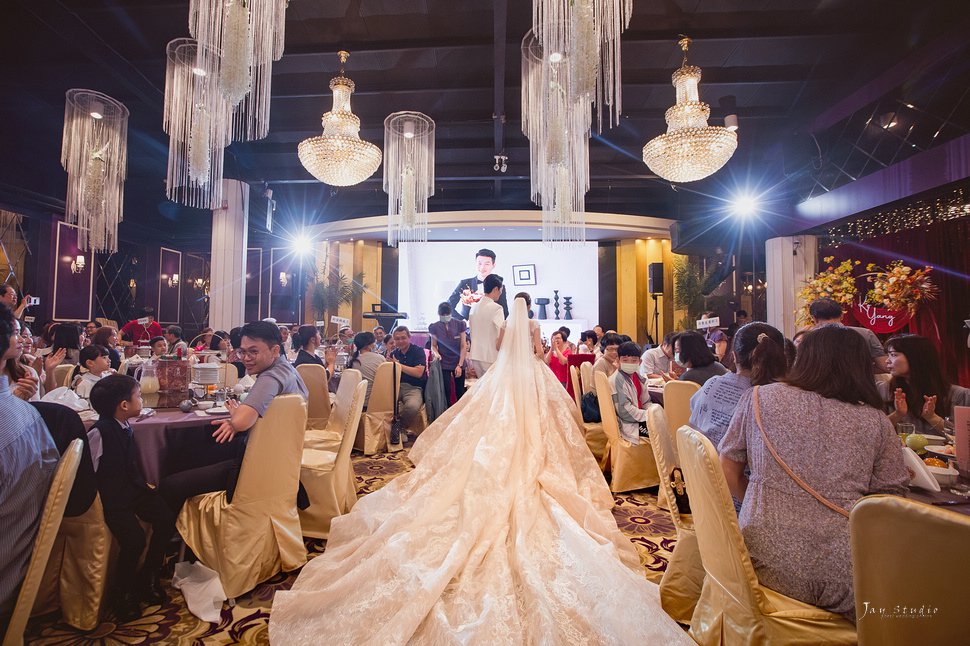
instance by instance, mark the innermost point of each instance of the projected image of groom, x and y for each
(470, 290)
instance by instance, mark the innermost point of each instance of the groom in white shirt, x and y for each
(485, 320)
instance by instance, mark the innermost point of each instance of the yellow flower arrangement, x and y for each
(835, 282)
(899, 287)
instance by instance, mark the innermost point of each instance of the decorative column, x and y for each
(790, 262)
(230, 237)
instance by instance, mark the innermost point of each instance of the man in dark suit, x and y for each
(469, 290)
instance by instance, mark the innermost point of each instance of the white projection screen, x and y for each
(429, 273)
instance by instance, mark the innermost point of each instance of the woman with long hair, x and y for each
(365, 359)
(107, 337)
(825, 424)
(759, 358)
(67, 337)
(307, 339)
(918, 392)
(23, 379)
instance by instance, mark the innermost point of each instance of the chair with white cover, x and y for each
(228, 375)
(318, 403)
(595, 436)
(50, 522)
(123, 367)
(330, 437)
(734, 608)
(883, 530)
(328, 476)
(683, 579)
(677, 396)
(632, 466)
(374, 427)
(258, 534)
(586, 376)
(62, 374)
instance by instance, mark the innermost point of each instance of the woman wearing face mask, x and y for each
(692, 354)
(448, 337)
(365, 359)
(630, 396)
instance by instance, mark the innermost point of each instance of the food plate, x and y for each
(939, 451)
(218, 410)
(920, 475)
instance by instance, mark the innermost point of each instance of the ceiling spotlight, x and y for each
(744, 205)
(731, 122)
(887, 120)
(301, 245)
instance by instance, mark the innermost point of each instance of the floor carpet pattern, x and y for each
(637, 515)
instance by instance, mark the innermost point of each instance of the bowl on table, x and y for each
(205, 405)
(946, 477)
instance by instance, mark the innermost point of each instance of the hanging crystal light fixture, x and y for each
(557, 124)
(408, 175)
(690, 149)
(587, 34)
(197, 121)
(239, 41)
(94, 152)
(339, 157)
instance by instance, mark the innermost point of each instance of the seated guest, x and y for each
(260, 349)
(173, 335)
(126, 497)
(90, 328)
(587, 341)
(388, 345)
(558, 357)
(759, 354)
(23, 380)
(826, 311)
(799, 546)
(656, 361)
(919, 393)
(204, 339)
(379, 334)
(94, 365)
(740, 320)
(715, 337)
(608, 361)
(107, 337)
(65, 426)
(159, 346)
(28, 458)
(448, 341)
(414, 374)
(220, 343)
(797, 338)
(630, 396)
(345, 336)
(365, 359)
(136, 331)
(565, 337)
(307, 339)
(692, 353)
(67, 337)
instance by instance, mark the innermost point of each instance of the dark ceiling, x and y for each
(781, 63)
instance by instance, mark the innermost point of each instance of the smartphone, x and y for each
(33, 300)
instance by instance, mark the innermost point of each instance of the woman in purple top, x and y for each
(449, 341)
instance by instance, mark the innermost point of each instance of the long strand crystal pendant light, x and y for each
(197, 121)
(339, 157)
(587, 33)
(557, 124)
(94, 152)
(239, 41)
(690, 149)
(408, 175)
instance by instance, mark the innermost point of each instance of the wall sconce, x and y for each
(199, 283)
(284, 279)
(132, 284)
(77, 265)
(173, 281)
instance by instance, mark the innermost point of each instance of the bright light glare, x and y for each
(555, 57)
(302, 245)
(744, 205)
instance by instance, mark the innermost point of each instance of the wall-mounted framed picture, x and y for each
(523, 275)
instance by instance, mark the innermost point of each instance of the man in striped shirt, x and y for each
(27, 461)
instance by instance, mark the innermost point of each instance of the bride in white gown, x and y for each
(502, 534)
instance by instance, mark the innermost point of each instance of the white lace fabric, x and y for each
(502, 534)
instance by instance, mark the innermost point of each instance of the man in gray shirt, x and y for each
(826, 311)
(261, 351)
(28, 458)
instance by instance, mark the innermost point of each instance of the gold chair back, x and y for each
(349, 379)
(632, 466)
(586, 376)
(62, 374)
(577, 389)
(228, 375)
(677, 396)
(604, 395)
(734, 608)
(123, 367)
(884, 530)
(270, 466)
(50, 522)
(317, 384)
(375, 422)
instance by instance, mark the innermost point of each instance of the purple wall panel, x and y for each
(254, 280)
(72, 290)
(284, 303)
(170, 278)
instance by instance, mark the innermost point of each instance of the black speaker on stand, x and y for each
(655, 285)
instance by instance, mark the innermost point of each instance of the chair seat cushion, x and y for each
(322, 440)
(779, 605)
(318, 460)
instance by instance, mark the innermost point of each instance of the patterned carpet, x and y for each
(637, 516)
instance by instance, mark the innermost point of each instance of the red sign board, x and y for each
(879, 320)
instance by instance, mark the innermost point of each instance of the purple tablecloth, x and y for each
(167, 433)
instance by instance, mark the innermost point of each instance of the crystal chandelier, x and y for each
(197, 121)
(408, 175)
(94, 152)
(690, 150)
(557, 124)
(239, 40)
(587, 34)
(340, 157)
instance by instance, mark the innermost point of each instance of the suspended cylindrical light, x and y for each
(239, 41)
(408, 175)
(557, 124)
(94, 152)
(196, 119)
(339, 157)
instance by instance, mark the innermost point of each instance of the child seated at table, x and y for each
(125, 495)
(93, 363)
(159, 346)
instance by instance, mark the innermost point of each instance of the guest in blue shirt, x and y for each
(413, 363)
